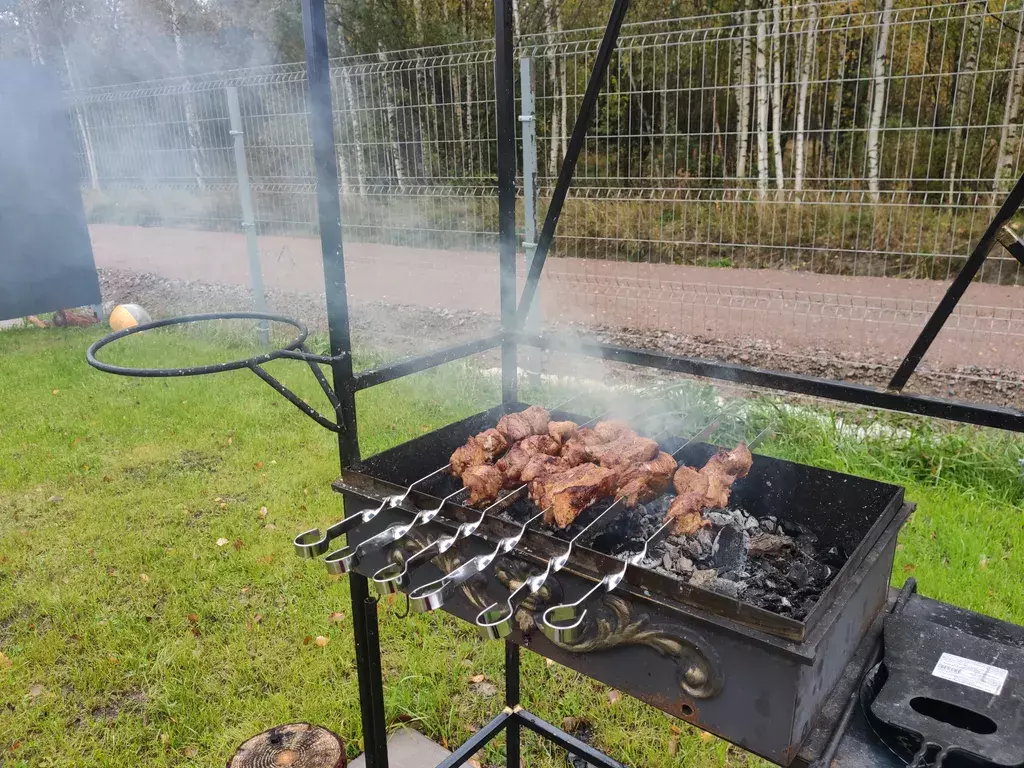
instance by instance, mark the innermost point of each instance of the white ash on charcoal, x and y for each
(773, 564)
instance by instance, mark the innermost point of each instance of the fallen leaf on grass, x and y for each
(144, 578)
(257, 618)
(909, 568)
(263, 513)
(322, 641)
(222, 541)
(336, 617)
(15, 746)
(613, 696)
(238, 544)
(983, 563)
(307, 639)
(673, 745)
(55, 392)
(190, 751)
(55, 499)
(113, 660)
(192, 618)
(475, 763)
(223, 505)
(477, 678)
(570, 724)
(5, 663)
(705, 736)
(270, 527)
(258, 465)
(36, 691)
(549, 662)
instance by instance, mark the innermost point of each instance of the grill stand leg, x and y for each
(512, 758)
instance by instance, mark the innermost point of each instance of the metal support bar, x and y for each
(528, 120)
(477, 741)
(960, 285)
(570, 743)
(321, 124)
(248, 212)
(1009, 419)
(512, 740)
(410, 365)
(572, 153)
(295, 400)
(505, 116)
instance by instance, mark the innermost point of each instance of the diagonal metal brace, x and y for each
(1011, 242)
(962, 282)
(572, 154)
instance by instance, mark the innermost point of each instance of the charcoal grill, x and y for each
(755, 676)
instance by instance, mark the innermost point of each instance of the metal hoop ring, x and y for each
(199, 370)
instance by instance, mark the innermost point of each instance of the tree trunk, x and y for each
(837, 102)
(299, 745)
(801, 101)
(191, 120)
(562, 70)
(516, 28)
(553, 78)
(353, 119)
(396, 143)
(761, 77)
(776, 93)
(963, 95)
(743, 95)
(83, 128)
(878, 98)
(1010, 131)
(470, 144)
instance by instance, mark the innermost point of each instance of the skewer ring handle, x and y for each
(341, 561)
(561, 623)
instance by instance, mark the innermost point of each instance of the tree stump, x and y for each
(298, 745)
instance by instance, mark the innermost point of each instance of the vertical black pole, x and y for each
(505, 115)
(321, 124)
(512, 750)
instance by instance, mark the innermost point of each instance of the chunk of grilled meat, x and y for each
(564, 495)
(611, 429)
(645, 481)
(513, 462)
(479, 449)
(707, 488)
(484, 482)
(541, 465)
(576, 450)
(516, 426)
(628, 448)
(686, 512)
(562, 430)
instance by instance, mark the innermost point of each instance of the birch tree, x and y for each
(391, 111)
(553, 78)
(776, 93)
(351, 108)
(878, 98)
(963, 95)
(191, 120)
(837, 100)
(803, 88)
(1009, 133)
(742, 78)
(761, 96)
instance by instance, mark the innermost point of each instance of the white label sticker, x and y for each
(974, 674)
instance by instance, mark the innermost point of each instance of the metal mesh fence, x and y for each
(833, 138)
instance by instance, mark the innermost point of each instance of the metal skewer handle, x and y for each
(393, 576)
(311, 543)
(345, 559)
(433, 595)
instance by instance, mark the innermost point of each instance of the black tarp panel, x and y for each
(46, 260)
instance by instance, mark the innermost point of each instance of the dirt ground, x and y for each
(853, 328)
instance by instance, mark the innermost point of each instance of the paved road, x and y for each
(799, 312)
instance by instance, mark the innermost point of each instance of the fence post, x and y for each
(248, 215)
(528, 120)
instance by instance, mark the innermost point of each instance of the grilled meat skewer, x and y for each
(514, 462)
(707, 488)
(517, 426)
(479, 449)
(640, 483)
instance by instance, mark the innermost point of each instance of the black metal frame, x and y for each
(346, 383)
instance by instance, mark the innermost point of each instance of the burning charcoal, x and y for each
(752, 524)
(704, 578)
(684, 564)
(706, 539)
(770, 524)
(798, 575)
(785, 602)
(819, 572)
(719, 519)
(667, 561)
(727, 587)
(807, 543)
(729, 550)
(762, 544)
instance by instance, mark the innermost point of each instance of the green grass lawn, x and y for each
(131, 637)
